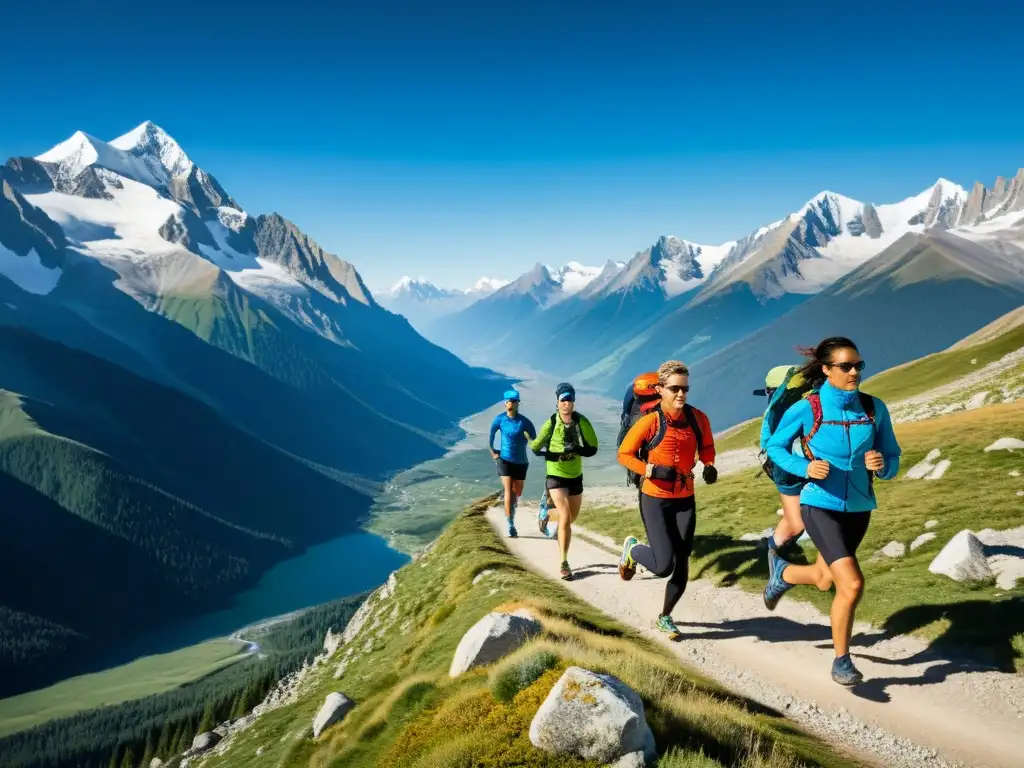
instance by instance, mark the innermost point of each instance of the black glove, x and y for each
(667, 474)
(710, 474)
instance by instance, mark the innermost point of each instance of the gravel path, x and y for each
(914, 708)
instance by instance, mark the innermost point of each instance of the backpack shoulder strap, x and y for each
(867, 402)
(815, 402)
(691, 418)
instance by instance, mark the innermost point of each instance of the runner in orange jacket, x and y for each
(663, 447)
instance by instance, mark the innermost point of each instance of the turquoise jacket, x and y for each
(848, 485)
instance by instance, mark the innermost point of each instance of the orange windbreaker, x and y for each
(678, 448)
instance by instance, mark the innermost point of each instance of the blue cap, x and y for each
(511, 394)
(565, 391)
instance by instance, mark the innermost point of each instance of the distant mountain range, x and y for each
(192, 393)
(904, 279)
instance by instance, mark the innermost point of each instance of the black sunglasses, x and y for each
(677, 388)
(847, 367)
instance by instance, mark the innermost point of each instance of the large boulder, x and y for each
(593, 716)
(493, 637)
(205, 741)
(334, 709)
(962, 559)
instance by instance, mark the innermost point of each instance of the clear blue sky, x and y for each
(416, 137)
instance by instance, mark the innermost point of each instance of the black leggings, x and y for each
(670, 524)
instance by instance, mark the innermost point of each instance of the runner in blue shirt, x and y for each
(516, 430)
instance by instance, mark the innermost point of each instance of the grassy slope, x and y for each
(906, 380)
(977, 492)
(143, 677)
(409, 713)
(941, 368)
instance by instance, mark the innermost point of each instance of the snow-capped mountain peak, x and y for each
(574, 277)
(487, 285)
(72, 156)
(156, 148)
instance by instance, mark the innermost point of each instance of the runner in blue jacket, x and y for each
(852, 446)
(512, 462)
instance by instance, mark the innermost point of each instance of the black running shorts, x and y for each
(512, 469)
(572, 484)
(835, 534)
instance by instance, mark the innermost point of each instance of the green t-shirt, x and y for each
(559, 442)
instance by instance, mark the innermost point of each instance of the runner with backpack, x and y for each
(511, 461)
(783, 386)
(564, 440)
(659, 451)
(847, 441)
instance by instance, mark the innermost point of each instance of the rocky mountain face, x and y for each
(188, 391)
(680, 299)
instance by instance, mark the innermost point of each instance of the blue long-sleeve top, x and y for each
(514, 433)
(848, 485)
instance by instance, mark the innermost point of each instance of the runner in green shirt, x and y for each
(564, 440)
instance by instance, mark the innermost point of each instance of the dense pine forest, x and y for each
(133, 733)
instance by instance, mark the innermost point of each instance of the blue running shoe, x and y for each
(542, 515)
(843, 671)
(776, 587)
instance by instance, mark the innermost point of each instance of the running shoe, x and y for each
(666, 625)
(566, 572)
(843, 671)
(512, 532)
(627, 565)
(542, 516)
(776, 587)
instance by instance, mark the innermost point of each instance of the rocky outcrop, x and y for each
(595, 717)
(334, 709)
(27, 175)
(962, 559)
(974, 208)
(187, 230)
(870, 224)
(205, 741)
(493, 637)
(201, 192)
(25, 228)
(281, 242)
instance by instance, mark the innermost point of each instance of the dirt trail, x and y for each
(914, 707)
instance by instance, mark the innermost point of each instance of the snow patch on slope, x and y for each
(127, 225)
(27, 272)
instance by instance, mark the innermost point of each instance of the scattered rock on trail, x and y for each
(334, 709)
(496, 635)
(757, 536)
(931, 524)
(924, 538)
(595, 717)
(1006, 444)
(893, 549)
(962, 559)
(205, 741)
(156, 762)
